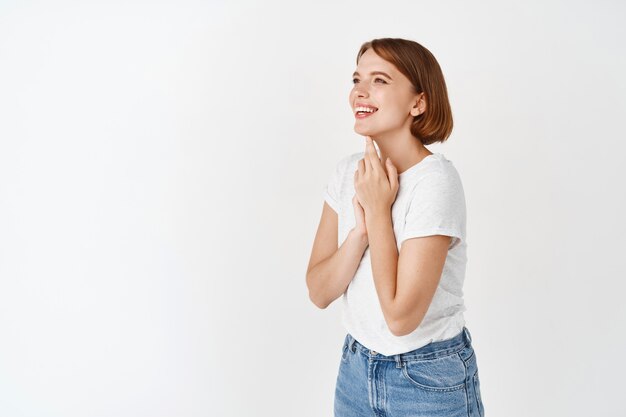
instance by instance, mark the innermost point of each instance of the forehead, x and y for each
(369, 61)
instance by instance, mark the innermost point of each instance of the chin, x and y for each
(365, 132)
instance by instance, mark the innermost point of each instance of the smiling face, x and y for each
(378, 84)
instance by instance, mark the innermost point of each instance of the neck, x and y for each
(403, 150)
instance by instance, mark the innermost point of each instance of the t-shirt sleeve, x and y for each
(332, 192)
(436, 207)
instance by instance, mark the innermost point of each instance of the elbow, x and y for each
(317, 301)
(314, 296)
(403, 327)
(398, 330)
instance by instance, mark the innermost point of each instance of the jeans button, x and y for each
(373, 352)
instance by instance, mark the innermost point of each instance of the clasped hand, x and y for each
(375, 183)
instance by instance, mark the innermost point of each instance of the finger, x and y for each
(392, 172)
(358, 201)
(373, 147)
(361, 166)
(366, 156)
(373, 157)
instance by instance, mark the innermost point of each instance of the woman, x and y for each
(392, 243)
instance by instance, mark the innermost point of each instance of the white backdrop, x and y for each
(162, 167)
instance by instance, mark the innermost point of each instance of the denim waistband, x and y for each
(430, 351)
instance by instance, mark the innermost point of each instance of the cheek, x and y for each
(395, 107)
(352, 96)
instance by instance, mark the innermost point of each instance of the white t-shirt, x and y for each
(430, 201)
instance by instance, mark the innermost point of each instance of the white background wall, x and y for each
(162, 167)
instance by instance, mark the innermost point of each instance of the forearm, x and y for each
(384, 258)
(329, 278)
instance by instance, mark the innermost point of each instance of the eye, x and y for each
(356, 80)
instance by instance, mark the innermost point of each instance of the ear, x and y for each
(419, 106)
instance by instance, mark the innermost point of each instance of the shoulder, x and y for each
(346, 163)
(438, 180)
(442, 165)
(438, 170)
(354, 158)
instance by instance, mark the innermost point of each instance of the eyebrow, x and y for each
(375, 73)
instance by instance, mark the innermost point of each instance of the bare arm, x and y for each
(331, 268)
(405, 282)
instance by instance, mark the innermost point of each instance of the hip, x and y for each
(438, 379)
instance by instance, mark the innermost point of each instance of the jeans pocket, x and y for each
(479, 402)
(446, 373)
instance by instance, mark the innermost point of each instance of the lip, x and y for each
(364, 115)
(361, 104)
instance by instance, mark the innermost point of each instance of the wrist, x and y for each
(380, 213)
(359, 235)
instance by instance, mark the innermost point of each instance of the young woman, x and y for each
(392, 243)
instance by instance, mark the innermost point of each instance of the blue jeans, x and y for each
(439, 379)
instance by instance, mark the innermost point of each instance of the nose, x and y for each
(360, 92)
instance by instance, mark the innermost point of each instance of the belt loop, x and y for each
(467, 334)
(398, 360)
(351, 343)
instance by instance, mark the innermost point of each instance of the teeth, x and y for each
(365, 109)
